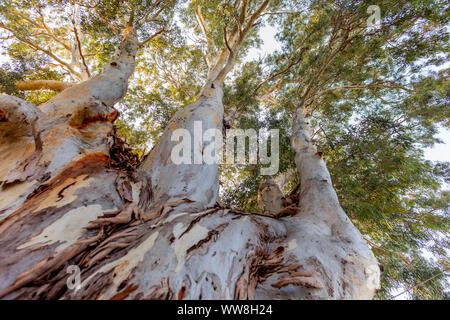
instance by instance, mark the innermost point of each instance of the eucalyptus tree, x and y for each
(375, 98)
(74, 197)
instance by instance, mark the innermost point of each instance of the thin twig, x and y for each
(419, 284)
(79, 50)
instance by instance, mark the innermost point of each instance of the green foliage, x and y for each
(26, 65)
(376, 96)
(375, 102)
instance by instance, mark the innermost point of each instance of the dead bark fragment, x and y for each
(259, 266)
(122, 156)
(162, 210)
(124, 216)
(160, 291)
(24, 169)
(125, 293)
(124, 188)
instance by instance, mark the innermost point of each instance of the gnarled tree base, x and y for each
(126, 253)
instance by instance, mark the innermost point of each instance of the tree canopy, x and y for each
(376, 94)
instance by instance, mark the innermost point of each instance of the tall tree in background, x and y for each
(375, 98)
(74, 194)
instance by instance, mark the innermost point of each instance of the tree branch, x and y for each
(201, 21)
(51, 34)
(37, 47)
(86, 68)
(147, 13)
(364, 86)
(243, 14)
(205, 31)
(381, 248)
(241, 36)
(130, 22)
(44, 26)
(142, 43)
(55, 85)
(225, 39)
(157, 13)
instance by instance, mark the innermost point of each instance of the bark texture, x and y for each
(131, 244)
(54, 85)
(197, 181)
(73, 194)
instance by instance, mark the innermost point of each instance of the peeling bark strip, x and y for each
(49, 264)
(24, 169)
(196, 220)
(309, 278)
(261, 265)
(125, 293)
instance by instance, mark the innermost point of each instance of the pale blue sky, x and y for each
(440, 152)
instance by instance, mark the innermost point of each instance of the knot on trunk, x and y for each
(93, 111)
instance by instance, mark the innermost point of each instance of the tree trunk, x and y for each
(72, 194)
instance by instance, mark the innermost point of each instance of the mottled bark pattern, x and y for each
(154, 231)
